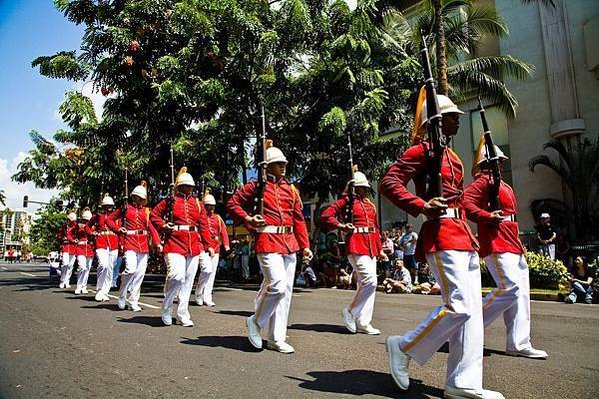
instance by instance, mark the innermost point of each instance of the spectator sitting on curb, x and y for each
(401, 281)
(345, 279)
(581, 281)
(428, 284)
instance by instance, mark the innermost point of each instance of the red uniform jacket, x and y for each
(66, 237)
(85, 245)
(106, 238)
(282, 207)
(218, 231)
(137, 217)
(493, 238)
(188, 211)
(364, 216)
(438, 234)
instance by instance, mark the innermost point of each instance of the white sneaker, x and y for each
(199, 301)
(135, 307)
(186, 322)
(368, 329)
(167, 319)
(399, 362)
(254, 332)
(105, 298)
(84, 290)
(348, 320)
(77, 291)
(280, 346)
(122, 304)
(61, 285)
(67, 285)
(458, 393)
(531, 353)
(99, 297)
(211, 304)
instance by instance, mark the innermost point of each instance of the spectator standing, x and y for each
(388, 251)
(581, 280)
(397, 248)
(245, 259)
(546, 236)
(408, 243)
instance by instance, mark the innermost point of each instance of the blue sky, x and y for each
(28, 29)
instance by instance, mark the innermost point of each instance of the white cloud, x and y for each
(14, 192)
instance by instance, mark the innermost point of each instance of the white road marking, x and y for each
(4, 268)
(141, 303)
(29, 274)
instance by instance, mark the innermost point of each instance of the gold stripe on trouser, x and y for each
(444, 281)
(425, 332)
(502, 284)
(266, 291)
(168, 272)
(355, 301)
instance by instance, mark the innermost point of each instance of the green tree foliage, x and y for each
(42, 234)
(194, 74)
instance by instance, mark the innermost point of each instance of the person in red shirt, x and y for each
(362, 247)
(447, 244)
(280, 231)
(84, 250)
(107, 247)
(132, 221)
(504, 256)
(186, 237)
(66, 237)
(209, 264)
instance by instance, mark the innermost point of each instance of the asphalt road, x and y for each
(54, 344)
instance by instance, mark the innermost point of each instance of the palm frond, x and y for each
(544, 160)
(499, 67)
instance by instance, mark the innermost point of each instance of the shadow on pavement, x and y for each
(151, 321)
(364, 382)
(241, 313)
(237, 343)
(82, 297)
(107, 306)
(487, 352)
(327, 328)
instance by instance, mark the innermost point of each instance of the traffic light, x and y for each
(59, 205)
(25, 201)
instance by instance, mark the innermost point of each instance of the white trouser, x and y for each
(133, 276)
(511, 298)
(362, 306)
(458, 321)
(181, 273)
(208, 266)
(106, 261)
(68, 260)
(274, 298)
(84, 266)
(245, 266)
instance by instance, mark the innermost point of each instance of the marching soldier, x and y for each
(209, 264)
(132, 221)
(107, 247)
(363, 246)
(66, 236)
(447, 244)
(84, 251)
(186, 237)
(280, 233)
(504, 256)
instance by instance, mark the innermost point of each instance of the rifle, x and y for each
(171, 197)
(435, 135)
(348, 214)
(492, 159)
(125, 200)
(261, 169)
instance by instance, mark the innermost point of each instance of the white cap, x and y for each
(72, 216)
(446, 106)
(141, 191)
(273, 154)
(107, 200)
(209, 200)
(484, 156)
(545, 215)
(360, 180)
(86, 215)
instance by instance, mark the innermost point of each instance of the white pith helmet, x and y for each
(446, 106)
(107, 200)
(360, 180)
(209, 199)
(273, 154)
(545, 215)
(485, 157)
(141, 191)
(72, 216)
(184, 178)
(87, 214)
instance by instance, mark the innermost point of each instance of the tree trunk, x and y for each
(440, 49)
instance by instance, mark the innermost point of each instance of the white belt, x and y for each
(185, 227)
(137, 233)
(450, 213)
(364, 230)
(107, 233)
(275, 229)
(82, 243)
(509, 218)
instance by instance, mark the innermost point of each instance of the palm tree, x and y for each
(578, 167)
(2, 197)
